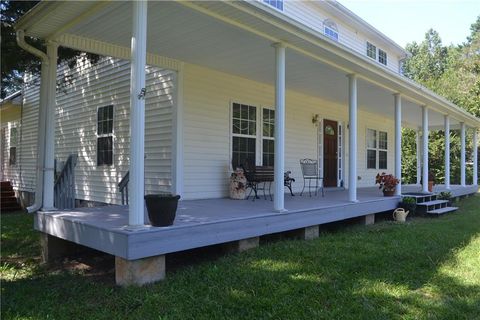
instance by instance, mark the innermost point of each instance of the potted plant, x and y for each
(161, 208)
(238, 183)
(386, 182)
(409, 204)
(431, 181)
(445, 195)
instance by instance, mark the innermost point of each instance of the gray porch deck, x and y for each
(207, 222)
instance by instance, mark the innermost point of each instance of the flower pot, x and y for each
(161, 209)
(389, 193)
(430, 186)
(410, 207)
(400, 215)
(238, 184)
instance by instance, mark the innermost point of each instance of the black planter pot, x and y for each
(412, 207)
(161, 209)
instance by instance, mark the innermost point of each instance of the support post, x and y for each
(352, 149)
(48, 177)
(425, 148)
(279, 168)
(475, 157)
(398, 142)
(137, 114)
(447, 152)
(462, 154)
(419, 157)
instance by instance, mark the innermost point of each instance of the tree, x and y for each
(15, 61)
(454, 73)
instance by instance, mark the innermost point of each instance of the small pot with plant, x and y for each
(409, 204)
(445, 195)
(386, 182)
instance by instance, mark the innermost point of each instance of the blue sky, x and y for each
(408, 20)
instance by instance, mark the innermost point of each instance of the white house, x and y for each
(274, 81)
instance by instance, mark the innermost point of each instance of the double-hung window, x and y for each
(374, 52)
(268, 142)
(382, 57)
(371, 51)
(13, 146)
(244, 134)
(275, 3)
(377, 149)
(105, 136)
(248, 144)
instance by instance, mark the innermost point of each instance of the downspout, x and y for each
(41, 121)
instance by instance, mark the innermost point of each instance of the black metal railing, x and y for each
(64, 190)
(123, 187)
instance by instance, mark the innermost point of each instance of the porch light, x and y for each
(316, 119)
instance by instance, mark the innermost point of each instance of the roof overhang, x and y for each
(194, 32)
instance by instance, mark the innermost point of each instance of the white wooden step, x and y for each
(442, 210)
(432, 203)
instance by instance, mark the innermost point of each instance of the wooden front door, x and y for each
(330, 150)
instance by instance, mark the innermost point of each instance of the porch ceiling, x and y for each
(179, 32)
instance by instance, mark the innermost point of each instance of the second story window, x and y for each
(275, 3)
(330, 29)
(371, 51)
(382, 57)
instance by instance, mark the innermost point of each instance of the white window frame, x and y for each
(112, 134)
(375, 47)
(377, 53)
(12, 144)
(325, 28)
(277, 4)
(259, 137)
(377, 149)
(386, 56)
(261, 131)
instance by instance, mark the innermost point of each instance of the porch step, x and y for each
(442, 210)
(8, 201)
(432, 203)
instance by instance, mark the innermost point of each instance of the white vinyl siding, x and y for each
(106, 83)
(313, 16)
(208, 95)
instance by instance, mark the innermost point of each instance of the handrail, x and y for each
(64, 189)
(123, 187)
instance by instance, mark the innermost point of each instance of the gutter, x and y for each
(41, 121)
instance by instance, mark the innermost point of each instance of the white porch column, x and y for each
(398, 142)
(462, 154)
(279, 156)
(425, 148)
(137, 113)
(447, 152)
(48, 177)
(352, 148)
(419, 156)
(475, 157)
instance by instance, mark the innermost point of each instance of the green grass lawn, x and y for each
(424, 269)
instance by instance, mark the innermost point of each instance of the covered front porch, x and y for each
(202, 223)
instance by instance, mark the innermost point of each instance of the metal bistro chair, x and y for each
(310, 172)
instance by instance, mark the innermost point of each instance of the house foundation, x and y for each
(243, 245)
(53, 248)
(369, 219)
(139, 272)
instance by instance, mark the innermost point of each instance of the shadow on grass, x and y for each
(422, 269)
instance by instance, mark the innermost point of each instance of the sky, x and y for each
(405, 21)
